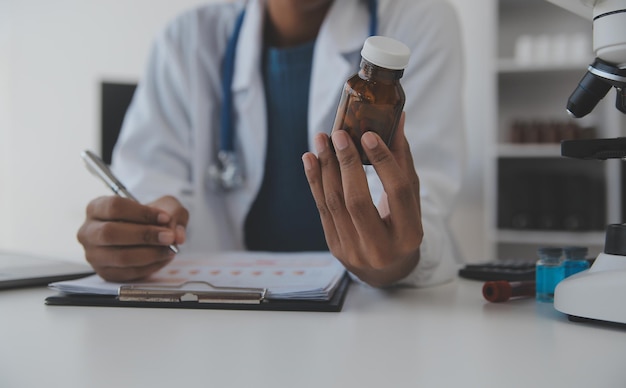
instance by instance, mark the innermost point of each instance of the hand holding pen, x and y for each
(125, 240)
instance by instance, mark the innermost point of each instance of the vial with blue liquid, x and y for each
(575, 260)
(549, 272)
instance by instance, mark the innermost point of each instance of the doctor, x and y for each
(247, 184)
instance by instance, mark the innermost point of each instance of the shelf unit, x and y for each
(512, 66)
(537, 90)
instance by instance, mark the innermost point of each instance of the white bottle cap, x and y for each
(386, 52)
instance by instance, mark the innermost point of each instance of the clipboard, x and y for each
(225, 298)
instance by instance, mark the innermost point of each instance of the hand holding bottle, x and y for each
(380, 245)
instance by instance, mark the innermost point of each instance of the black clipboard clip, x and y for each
(192, 291)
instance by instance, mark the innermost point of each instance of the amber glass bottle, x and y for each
(373, 99)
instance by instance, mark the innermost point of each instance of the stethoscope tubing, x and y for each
(226, 171)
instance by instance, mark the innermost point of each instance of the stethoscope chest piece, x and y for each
(225, 174)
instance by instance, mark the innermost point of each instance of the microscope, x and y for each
(599, 293)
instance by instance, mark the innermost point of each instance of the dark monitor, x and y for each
(115, 98)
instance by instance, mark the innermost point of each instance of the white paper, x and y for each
(309, 275)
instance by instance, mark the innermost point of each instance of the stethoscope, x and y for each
(226, 173)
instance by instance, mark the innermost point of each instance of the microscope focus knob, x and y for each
(615, 240)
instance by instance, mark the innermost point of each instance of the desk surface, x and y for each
(443, 336)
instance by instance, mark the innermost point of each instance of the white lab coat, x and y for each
(169, 136)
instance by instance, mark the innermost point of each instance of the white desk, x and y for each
(445, 336)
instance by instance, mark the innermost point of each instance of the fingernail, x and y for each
(370, 141)
(307, 163)
(166, 237)
(163, 218)
(181, 233)
(320, 143)
(340, 140)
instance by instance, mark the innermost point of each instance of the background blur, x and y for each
(55, 54)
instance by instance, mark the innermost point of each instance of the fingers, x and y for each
(169, 204)
(396, 171)
(401, 150)
(391, 164)
(333, 197)
(339, 186)
(127, 273)
(125, 240)
(121, 233)
(128, 257)
(111, 250)
(399, 146)
(124, 209)
(313, 172)
(379, 245)
(179, 216)
(362, 212)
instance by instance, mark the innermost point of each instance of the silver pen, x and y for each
(97, 167)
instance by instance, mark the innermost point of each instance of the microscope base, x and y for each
(597, 293)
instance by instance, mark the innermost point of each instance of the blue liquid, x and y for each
(547, 277)
(575, 266)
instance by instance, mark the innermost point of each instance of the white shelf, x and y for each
(539, 91)
(529, 150)
(512, 66)
(562, 238)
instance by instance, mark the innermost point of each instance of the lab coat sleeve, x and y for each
(157, 151)
(434, 127)
(151, 154)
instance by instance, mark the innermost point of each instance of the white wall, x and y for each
(477, 18)
(58, 53)
(53, 54)
(5, 38)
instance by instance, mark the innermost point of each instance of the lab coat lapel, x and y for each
(250, 113)
(336, 57)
